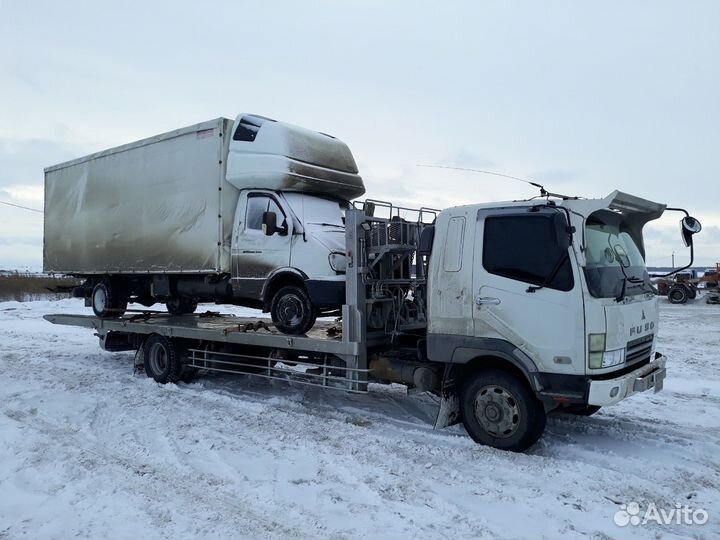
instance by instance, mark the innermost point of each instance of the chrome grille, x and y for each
(638, 350)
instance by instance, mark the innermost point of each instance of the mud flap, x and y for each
(449, 409)
(139, 359)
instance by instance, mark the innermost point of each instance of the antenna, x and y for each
(23, 207)
(543, 191)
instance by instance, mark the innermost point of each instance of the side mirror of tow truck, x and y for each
(688, 227)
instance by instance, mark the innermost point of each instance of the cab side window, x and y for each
(452, 258)
(256, 206)
(523, 248)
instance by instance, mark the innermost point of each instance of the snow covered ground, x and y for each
(89, 450)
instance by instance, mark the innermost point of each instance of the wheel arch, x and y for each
(278, 279)
(486, 361)
(468, 354)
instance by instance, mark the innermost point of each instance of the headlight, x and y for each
(597, 357)
(598, 360)
(337, 261)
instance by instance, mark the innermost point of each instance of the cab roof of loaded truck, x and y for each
(617, 201)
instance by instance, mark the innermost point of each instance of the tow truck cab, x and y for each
(554, 291)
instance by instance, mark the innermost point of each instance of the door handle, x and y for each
(486, 300)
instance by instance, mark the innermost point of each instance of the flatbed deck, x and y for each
(325, 337)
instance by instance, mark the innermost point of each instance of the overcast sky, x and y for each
(583, 97)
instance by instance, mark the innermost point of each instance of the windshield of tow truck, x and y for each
(612, 255)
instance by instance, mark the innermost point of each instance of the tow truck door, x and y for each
(513, 247)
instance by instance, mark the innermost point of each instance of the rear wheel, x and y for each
(106, 301)
(499, 410)
(292, 311)
(678, 295)
(161, 360)
(180, 306)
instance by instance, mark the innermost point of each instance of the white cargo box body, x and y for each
(157, 205)
(167, 204)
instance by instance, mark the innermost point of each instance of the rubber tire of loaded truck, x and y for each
(499, 410)
(180, 306)
(292, 311)
(106, 301)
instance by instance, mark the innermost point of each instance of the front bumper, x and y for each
(610, 391)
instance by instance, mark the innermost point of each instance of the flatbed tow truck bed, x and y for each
(232, 344)
(324, 337)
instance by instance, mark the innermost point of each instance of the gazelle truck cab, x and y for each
(556, 292)
(288, 252)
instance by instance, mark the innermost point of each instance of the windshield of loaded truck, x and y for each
(316, 210)
(613, 258)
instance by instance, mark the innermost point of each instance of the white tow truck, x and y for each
(506, 311)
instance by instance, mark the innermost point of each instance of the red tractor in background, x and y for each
(684, 286)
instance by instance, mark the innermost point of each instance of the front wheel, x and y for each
(499, 410)
(292, 311)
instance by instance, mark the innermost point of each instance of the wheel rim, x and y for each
(100, 299)
(497, 411)
(158, 358)
(290, 310)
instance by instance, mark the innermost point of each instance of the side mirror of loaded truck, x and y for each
(247, 212)
(269, 223)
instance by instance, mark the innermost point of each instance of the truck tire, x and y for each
(180, 306)
(106, 302)
(161, 360)
(678, 295)
(499, 410)
(292, 311)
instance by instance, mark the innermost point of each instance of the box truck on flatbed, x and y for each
(246, 212)
(506, 311)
